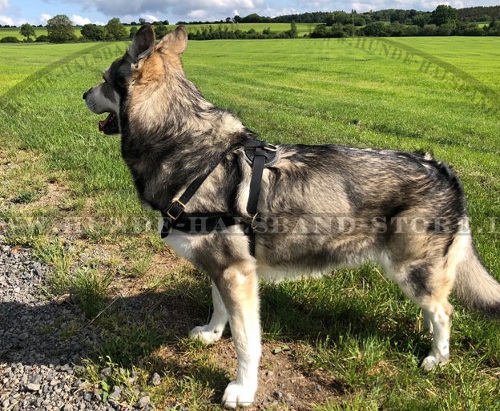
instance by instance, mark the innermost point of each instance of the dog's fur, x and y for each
(324, 206)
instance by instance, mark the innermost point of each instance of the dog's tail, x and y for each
(474, 285)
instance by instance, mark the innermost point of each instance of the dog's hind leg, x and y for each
(428, 286)
(212, 332)
(440, 317)
(238, 286)
(427, 321)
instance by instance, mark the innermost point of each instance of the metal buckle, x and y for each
(252, 223)
(270, 147)
(179, 212)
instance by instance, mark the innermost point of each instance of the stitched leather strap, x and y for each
(260, 154)
(259, 162)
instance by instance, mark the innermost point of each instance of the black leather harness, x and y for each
(260, 154)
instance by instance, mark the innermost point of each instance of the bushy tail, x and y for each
(474, 285)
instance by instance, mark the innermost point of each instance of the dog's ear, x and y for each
(142, 44)
(175, 41)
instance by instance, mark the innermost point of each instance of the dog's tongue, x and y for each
(103, 123)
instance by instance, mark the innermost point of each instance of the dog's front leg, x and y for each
(212, 332)
(238, 287)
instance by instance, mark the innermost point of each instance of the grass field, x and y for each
(66, 192)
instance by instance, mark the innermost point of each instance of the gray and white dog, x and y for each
(323, 206)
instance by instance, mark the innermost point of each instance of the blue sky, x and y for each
(16, 12)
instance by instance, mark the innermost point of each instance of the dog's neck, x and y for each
(172, 135)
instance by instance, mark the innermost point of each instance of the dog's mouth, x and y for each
(109, 125)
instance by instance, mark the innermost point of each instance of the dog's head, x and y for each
(142, 66)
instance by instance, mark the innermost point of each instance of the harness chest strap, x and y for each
(260, 154)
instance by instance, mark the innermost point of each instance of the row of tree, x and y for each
(443, 21)
(60, 29)
(396, 29)
(411, 17)
(227, 32)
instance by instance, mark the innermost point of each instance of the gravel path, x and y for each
(38, 342)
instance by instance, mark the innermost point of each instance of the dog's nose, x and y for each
(85, 94)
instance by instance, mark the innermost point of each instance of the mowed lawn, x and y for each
(352, 333)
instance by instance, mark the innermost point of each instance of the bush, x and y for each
(413, 31)
(472, 31)
(445, 30)
(429, 30)
(9, 39)
(42, 39)
(376, 29)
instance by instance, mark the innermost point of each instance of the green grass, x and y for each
(67, 193)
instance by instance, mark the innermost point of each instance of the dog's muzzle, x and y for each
(109, 125)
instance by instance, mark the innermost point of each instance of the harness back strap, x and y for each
(260, 154)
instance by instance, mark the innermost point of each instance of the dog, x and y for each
(318, 206)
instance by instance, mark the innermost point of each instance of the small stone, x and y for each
(33, 387)
(278, 395)
(156, 379)
(116, 394)
(23, 336)
(106, 372)
(37, 379)
(37, 268)
(143, 401)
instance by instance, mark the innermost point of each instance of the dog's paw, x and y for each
(432, 361)
(206, 334)
(237, 394)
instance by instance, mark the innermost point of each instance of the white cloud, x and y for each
(431, 5)
(169, 9)
(197, 14)
(272, 12)
(363, 7)
(150, 18)
(45, 17)
(4, 20)
(79, 20)
(4, 4)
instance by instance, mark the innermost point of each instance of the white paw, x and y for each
(238, 395)
(206, 334)
(432, 361)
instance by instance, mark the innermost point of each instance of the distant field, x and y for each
(352, 335)
(14, 32)
(302, 28)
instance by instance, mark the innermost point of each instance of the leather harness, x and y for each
(260, 154)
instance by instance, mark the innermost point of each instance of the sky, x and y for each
(17, 12)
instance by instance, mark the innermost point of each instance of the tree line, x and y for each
(443, 21)
(470, 14)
